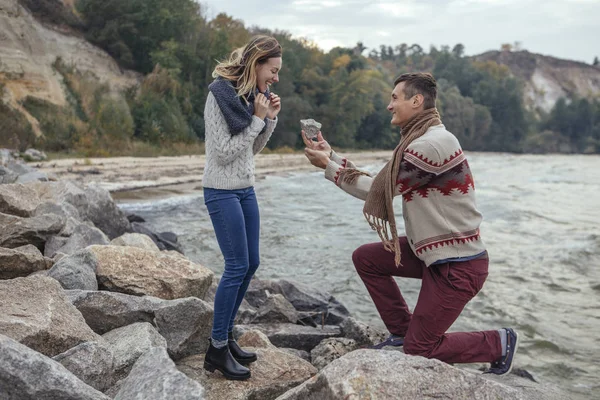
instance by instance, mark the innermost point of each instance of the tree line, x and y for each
(176, 47)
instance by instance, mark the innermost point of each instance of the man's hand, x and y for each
(318, 158)
(321, 144)
(274, 106)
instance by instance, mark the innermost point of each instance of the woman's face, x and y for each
(268, 73)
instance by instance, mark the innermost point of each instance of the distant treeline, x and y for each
(176, 46)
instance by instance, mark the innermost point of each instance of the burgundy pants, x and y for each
(445, 290)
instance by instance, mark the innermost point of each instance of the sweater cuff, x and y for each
(332, 171)
(269, 125)
(336, 157)
(257, 124)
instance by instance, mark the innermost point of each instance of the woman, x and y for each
(240, 116)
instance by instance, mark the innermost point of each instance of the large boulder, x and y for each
(163, 240)
(136, 271)
(35, 176)
(67, 211)
(81, 237)
(36, 312)
(105, 311)
(17, 231)
(7, 176)
(276, 308)
(331, 349)
(129, 343)
(325, 308)
(92, 362)
(275, 372)
(28, 375)
(186, 325)
(21, 262)
(135, 240)
(104, 213)
(394, 375)
(18, 199)
(361, 333)
(77, 271)
(154, 376)
(63, 192)
(290, 335)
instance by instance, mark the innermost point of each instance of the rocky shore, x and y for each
(96, 305)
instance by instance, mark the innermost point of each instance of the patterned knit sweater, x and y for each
(230, 159)
(438, 196)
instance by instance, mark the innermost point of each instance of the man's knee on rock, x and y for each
(416, 349)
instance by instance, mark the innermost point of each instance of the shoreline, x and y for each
(130, 179)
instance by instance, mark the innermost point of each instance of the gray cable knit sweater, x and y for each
(230, 158)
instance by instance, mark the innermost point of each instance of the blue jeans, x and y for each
(235, 217)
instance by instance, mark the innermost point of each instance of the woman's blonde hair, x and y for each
(241, 65)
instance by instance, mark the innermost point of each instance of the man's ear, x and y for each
(418, 100)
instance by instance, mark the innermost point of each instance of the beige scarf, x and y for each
(378, 209)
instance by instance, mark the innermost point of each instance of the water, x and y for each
(541, 227)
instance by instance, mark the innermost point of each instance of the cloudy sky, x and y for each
(561, 28)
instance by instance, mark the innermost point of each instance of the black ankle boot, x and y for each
(243, 357)
(222, 360)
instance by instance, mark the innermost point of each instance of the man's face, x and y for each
(402, 109)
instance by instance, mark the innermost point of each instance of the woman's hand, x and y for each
(261, 106)
(274, 106)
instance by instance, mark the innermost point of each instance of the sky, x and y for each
(561, 28)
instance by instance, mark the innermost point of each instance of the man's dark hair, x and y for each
(419, 83)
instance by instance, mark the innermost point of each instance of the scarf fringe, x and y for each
(350, 175)
(384, 229)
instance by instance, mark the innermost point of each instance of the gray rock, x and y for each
(36, 230)
(362, 334)
(129, 343)
(135, 240)
(21, 262)
(290, 335)
(105, 311)
(82, 237)
(19, 200)
(310, 127)
(28, 375)
(65, 210)
(394, 375)
(34, 176)
(298, 353)
(7, 176)
(260, 290)
(36, 155)
(154, 376)
(331, 349)
(164, 241)
(19, 167)
(5, 156)
(276, 308)
(77, 271)
(104, 213)
(305, 298)
(92, 362)
(36, 312)
(186, 325)
(63, 192)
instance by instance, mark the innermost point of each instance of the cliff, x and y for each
(28, 50)
(547, 78)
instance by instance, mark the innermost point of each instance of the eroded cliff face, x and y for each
(547, 78)
(28, 50)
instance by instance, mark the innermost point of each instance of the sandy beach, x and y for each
(143, 178)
